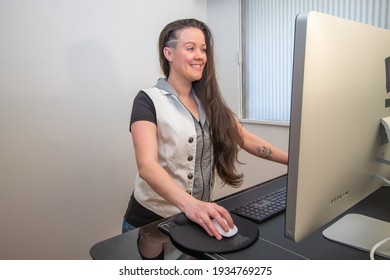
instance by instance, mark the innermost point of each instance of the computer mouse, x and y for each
(231, 232)
(181, 219)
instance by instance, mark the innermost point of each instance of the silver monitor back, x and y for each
(338, 99)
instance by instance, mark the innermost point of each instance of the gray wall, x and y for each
(69, 70)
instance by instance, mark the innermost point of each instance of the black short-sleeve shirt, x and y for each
(143, 109)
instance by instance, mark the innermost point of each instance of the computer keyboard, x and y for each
(264, 207)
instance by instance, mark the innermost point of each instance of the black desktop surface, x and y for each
(271, 244)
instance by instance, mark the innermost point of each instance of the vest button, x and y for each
(190, 158)
(190, 140)
(190, 176)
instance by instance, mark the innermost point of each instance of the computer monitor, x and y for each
(336, 143)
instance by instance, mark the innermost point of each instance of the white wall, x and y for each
(69, 70)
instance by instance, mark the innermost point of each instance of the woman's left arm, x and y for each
(259, 147)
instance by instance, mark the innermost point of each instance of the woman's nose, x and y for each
(200, 54)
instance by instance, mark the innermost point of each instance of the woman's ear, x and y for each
(168, 54)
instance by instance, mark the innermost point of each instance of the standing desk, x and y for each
(271, 244)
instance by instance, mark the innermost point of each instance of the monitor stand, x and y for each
(361, 232)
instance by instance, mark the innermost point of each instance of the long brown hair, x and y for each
(222, 123)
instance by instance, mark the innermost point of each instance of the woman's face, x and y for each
(188, 58)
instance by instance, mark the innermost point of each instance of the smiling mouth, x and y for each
(196, 66)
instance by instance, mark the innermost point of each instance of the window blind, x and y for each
(267, 47)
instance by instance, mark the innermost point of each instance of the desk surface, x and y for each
(271, 244)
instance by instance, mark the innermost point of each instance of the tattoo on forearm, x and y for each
(264, 152)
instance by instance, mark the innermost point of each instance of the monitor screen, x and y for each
(339, 97)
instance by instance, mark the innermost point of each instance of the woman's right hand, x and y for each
(202, 212)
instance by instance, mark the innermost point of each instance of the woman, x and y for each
(182, 132)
